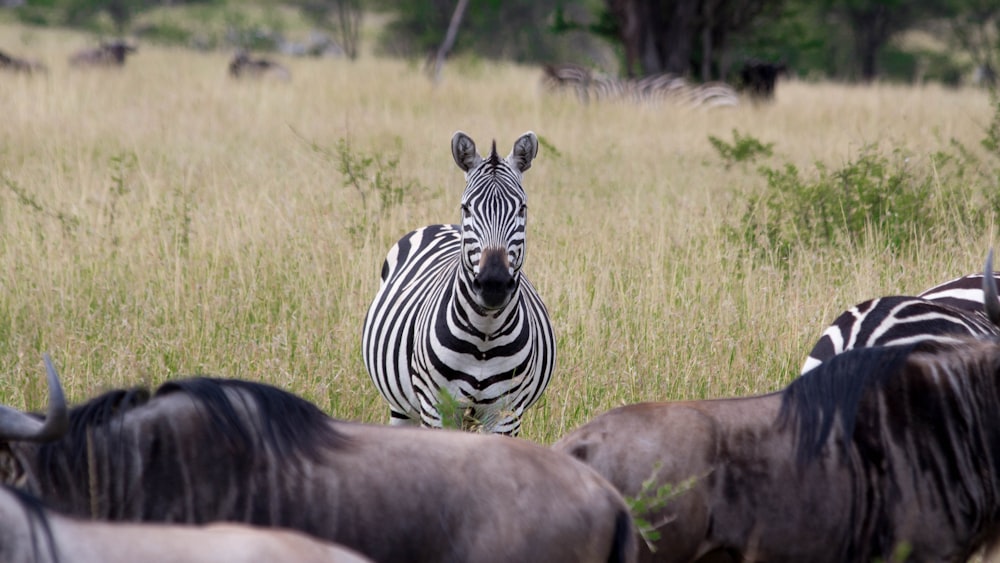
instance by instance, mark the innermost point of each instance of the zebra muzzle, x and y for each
(495, 283)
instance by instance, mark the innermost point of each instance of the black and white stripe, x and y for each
(454, 312)
(944, 313)
(654, 89)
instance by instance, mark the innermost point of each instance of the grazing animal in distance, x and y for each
(202, 450)
(243, 65)
(16, 64)
(32, 533)
(454, 311)
(875, 453)
(108, 54)
(759, 78)
(944, 313)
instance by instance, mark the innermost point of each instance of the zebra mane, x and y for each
(35, 517)
(494, 159)
(281, 421)
(811, 403)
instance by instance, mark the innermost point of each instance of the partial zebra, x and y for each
(943, 313)
(653, 89)
(454, 311)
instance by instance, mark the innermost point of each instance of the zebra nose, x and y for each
(494, 284)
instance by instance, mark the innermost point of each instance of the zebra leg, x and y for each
(397, 418)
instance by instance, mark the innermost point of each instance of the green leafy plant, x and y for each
(742, 149)
(650, 498)
(886, 195)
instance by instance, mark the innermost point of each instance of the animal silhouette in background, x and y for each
(21, 65)
(109, 54)
(243, 65)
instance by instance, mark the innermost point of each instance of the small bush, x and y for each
(889, 196)
(742, 149)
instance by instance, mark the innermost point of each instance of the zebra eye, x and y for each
(522, 212)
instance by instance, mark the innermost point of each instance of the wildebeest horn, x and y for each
(991, 301)
(15, 425)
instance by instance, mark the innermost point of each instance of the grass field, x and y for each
(164, 220)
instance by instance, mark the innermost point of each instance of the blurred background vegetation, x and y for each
(911, 41)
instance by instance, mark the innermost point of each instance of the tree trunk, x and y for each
(449, 40)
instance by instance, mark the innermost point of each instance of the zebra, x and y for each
(568, 75)
(942, 313)
(653, 89)
(454, 313)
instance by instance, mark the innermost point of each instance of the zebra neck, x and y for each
(473, 319)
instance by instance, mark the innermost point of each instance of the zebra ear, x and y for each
(524, 151)
(463, 148)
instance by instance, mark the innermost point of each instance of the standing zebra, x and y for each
(455, 313)
(943, 313)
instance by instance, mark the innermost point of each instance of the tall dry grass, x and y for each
(164, 220)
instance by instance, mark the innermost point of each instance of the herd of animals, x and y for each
(114, 53)
(756, 78)
(887, 447)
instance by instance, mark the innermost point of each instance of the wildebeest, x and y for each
(107, 54)
(16, 64)
(759, 77)
(203, 449)
(32, 533)
(946, 312)
(885, 453)
(243, 65)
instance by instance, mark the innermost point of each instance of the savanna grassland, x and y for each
(164, 220)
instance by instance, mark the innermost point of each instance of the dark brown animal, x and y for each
(244, 66)
(886, 453)
(759, 78)
(15, 64)
(107, 54)
(206, 450)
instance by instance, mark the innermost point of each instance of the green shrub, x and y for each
(893, 197)
(742, 149)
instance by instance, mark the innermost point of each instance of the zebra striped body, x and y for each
(962, 293)
(945, 313)
(653, 89)
(455, 313)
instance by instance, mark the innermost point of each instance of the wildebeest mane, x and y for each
(285, 422)
(83, 418)
(811, 403)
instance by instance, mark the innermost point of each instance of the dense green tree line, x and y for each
(704, 39)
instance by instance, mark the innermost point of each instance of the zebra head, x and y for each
(18, 426)
(494, 214)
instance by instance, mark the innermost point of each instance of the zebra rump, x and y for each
(203, 450)
(944, 313)
(877, 452)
